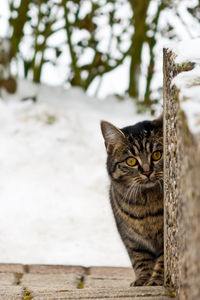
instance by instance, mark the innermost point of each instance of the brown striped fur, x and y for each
(136, 195)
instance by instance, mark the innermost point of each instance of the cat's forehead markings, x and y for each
(135, 150)
(136, 143)
(139, 160)
(127, 152)
(149, 159)
(147, 146)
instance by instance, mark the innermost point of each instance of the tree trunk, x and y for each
(17, 24)
(140, 11)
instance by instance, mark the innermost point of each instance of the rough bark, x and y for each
(182, 191)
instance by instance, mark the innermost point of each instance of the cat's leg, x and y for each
(157, 277)
(143, 262)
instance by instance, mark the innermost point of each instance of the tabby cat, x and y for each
(135, 168)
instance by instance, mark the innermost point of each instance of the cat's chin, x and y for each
(149, 184)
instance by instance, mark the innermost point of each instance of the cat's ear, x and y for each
(158, 122)
(112, 135)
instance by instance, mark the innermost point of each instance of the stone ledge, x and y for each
(55, 269)
(107, 282)
(45, 282)
(111, 271)
(150, 293)
(11, 292)
(11, 268)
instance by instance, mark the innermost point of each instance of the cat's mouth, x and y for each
(149, 183)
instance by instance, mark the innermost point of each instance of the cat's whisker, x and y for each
(132, 191)
(140, 191)
(128, 192)
(131, 195)
(135, 195)
(126, 197)
(159, 173)
(161, 186)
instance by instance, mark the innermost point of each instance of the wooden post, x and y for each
(182, 189)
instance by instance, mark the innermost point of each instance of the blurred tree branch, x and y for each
(138, 38)
(152, 42)
(98, 38)
(18, 19)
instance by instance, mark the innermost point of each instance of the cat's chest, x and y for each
(146, 219)
(147, 227)
(141, 221)
(147, 231)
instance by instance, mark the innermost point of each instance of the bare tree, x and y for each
(39, 18)
(99, 37)
(86, 27)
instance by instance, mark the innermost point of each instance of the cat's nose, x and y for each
(147, 173)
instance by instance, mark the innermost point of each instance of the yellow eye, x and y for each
(156, 155)
(131, 161)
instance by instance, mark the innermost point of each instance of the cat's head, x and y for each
(135, 153)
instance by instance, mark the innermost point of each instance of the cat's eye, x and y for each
(131, 161)
(156, 155)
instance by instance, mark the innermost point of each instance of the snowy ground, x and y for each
(53, 182)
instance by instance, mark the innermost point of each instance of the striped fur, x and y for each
(136, 195)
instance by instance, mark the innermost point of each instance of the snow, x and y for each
(188, 82)
(53, 181)
(186, 50)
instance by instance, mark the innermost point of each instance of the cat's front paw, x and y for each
(139, 282)
(155, 282)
